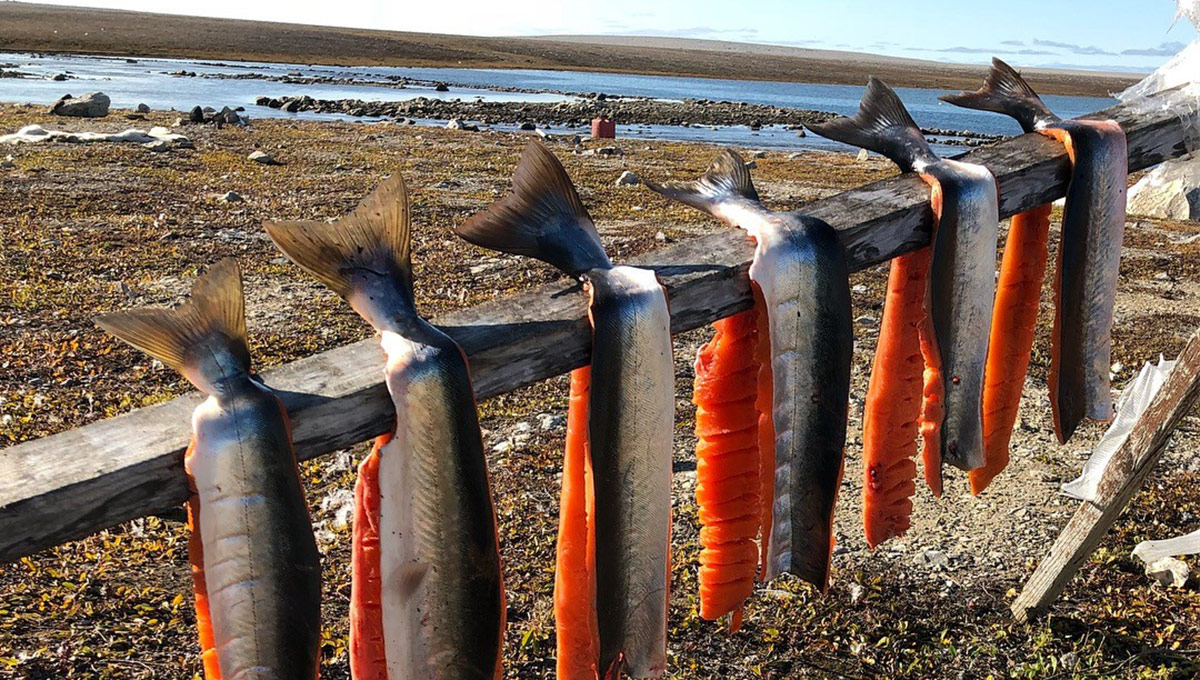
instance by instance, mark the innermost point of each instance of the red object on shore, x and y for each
(603, 128)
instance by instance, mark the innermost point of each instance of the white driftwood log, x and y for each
(132, 465)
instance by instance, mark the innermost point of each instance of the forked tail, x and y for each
(204, 338)
(726, 180)
(542, 218)
(363, 257)
(882, 125)
(1005, 91)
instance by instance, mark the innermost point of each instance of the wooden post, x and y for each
(75, 483)
(1124, 475)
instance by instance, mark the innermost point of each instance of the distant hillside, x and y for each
(46, 28)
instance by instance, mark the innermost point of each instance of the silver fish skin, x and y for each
(804, 278)
(260, 565)
(1089, 262)
(443, 594)
(962, 288)
(631, 430)
(800, 267)
(441, 585)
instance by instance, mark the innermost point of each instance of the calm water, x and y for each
(147, 81)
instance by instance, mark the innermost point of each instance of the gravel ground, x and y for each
(93, 228)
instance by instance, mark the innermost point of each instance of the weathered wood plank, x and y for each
(69, 485)
(1125, 474)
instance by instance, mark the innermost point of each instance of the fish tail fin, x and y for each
(369, 247)
(882, 125)
(204, 338)
(542, 218)
(1005, 91)
(726, 179)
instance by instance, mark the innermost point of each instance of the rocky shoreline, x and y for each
(578, 113)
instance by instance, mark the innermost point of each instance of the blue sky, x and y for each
(1104, 34)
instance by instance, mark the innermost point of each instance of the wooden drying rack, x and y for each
(73, 484)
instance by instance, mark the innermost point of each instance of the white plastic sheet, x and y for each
(1130, 407)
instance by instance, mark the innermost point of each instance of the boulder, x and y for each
(628, 178)
(862, 155)
(197, 115)
(456, 124)
(527, 126)
(91, 105)
(142, 108)
(1171, 191)
(441, 87)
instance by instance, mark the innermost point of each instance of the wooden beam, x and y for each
(72, 484)
(1126, 472)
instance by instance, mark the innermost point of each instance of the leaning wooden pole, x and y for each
(75, 483)
(1125, 474)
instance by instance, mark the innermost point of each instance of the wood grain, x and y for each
(75, 483)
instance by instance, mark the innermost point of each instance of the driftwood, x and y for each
(1124, 475)
(126, 467)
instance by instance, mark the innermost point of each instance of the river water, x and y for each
(129, 82)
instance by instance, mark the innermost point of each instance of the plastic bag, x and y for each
(1130, 407)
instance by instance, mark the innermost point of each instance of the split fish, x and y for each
(427, 597)
(955, 324)
(1089, 257)
(800, 271)
(255, 565)
(630, 416)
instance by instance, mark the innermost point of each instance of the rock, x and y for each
(1169, 572)
(134, 116)
(751, 164)
(264, 158)
(158, 145)
(1172, 190)
(91, 105)
(628, 178)
(542, 133)
(7, 163)
(441, 87)
(862, 155)
(936, 560)
(759, 154)
(527, 126)
(868, 321)
(456, 124)
(801, 133)
(58, 77)
(550, 421)
(231, 197)
(197, 115)
(661, 237)
(142, 108)
(292, 106)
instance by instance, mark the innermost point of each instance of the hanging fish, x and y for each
(255, 563)
(954, 325)
(800, 272)
(427, 597)
(630, 416)
(1089, 258)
